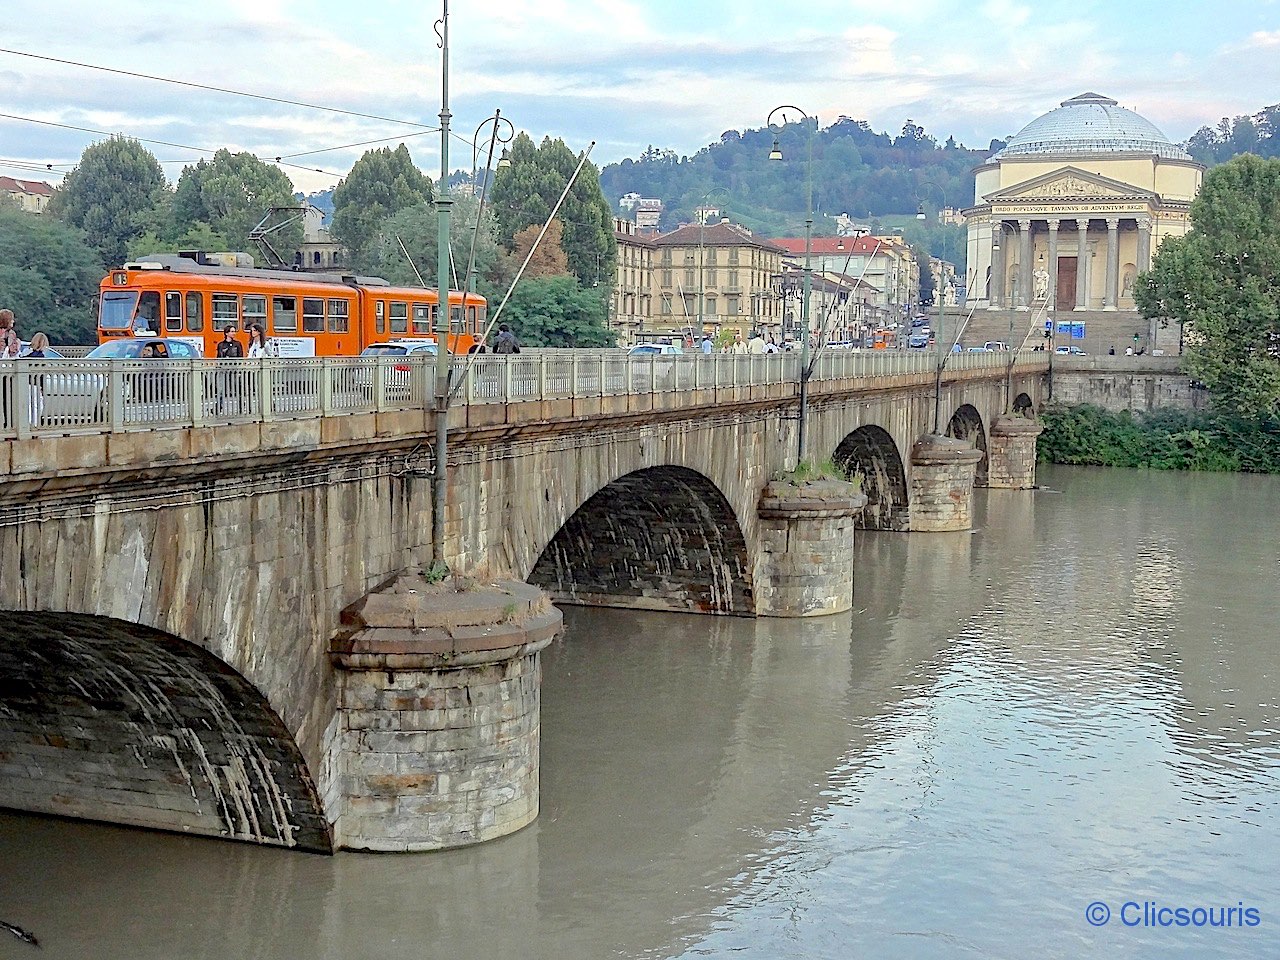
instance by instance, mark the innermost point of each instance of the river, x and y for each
(1075, 703)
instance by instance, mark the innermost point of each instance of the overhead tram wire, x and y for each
(162, 143)
(426, 128)
(226, 90)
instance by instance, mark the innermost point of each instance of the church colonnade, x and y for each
(1120, 246)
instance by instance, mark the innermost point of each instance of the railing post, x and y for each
(265, 400)
(542, 377)
(22, 399)
(326, 386)
(115, 396)
(506, 378)
(574, 385)
(195, 393)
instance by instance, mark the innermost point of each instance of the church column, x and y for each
(1111, 295)
(998, 244)
(1023, 294)
(1144, 244)
(1082, 264)
(1052, 299)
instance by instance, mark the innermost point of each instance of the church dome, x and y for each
(1090, 123)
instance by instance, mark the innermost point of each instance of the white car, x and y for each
(654, 349)
(68, 397)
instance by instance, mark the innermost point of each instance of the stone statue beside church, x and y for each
(1042, 284)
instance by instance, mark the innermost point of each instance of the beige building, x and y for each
(631, 306)
(1071, 210)
(714, 276)
(31, 195)
(887, 264)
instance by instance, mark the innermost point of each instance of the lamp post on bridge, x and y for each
(503, 133)
(776, 154)
(944, 350)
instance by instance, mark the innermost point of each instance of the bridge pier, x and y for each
(806, 548)
(942, 474)
(1013, 453)
(439, 699)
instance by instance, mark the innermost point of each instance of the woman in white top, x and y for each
(257, 342)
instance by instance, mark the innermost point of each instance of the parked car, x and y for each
(918, 341)
(81, 397)
(995, 346)
(654, 349)
(398, 375)
(1070, 351)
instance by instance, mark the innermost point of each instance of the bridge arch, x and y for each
(663, 538)
(870, 454)
(1024, 406)
(966, 424)
(102, 719)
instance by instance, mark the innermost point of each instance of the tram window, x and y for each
(380, 316)
(195, 312)
(226, 309)
(148, 312)
(312, 315)
(399, 318)
(255, 310)
(455, 320)
(338, 312)
(284, 314)
(471, 318)
(173, 311)
(421, 318)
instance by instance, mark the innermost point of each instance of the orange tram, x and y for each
(304, 314)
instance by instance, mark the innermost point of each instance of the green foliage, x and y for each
(855, 171)
(1164, 440)
(382, 183)
(1222, 282)
(230, 195)
(198, 236)
(1258, 134)
(49, 277)
(524, 195)
(558, 312)
(807, 470)
(417, 227)
(115, 193)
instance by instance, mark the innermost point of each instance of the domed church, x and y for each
(1071, 210)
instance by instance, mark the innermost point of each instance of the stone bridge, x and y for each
(183, 595)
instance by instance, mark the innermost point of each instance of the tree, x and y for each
(114, 194)
(231, 194)
(1222, 283)
(525, 194)
(49, 275)
(382, 183)
(549, 259)
(417, 227)
(558, 312)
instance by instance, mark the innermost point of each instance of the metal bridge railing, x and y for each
(55, 397)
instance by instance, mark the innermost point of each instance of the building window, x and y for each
(666, 304)
(689, 280)
(666, 278)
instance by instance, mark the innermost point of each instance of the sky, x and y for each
(626, 74)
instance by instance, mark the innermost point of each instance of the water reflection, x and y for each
(1077, 701)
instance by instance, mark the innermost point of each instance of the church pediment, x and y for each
(1070, 184)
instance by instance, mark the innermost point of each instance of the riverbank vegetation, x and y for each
(1163, 440)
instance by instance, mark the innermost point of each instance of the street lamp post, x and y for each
(503, 133)
(440, 487)
(776, 154)
(944, 350)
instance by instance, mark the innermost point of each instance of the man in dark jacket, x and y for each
(506, 342)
